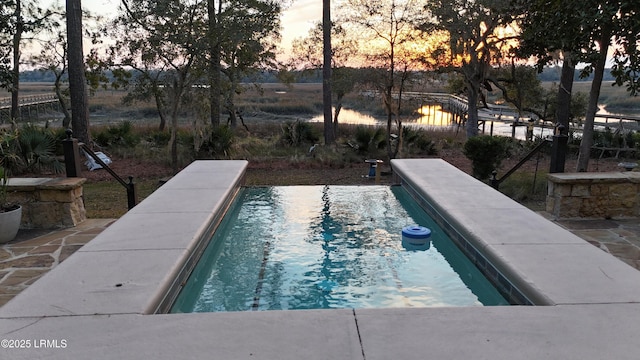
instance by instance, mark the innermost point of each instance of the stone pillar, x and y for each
(49, 203)
(594, 195)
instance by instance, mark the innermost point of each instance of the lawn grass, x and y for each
(108, 199)
(528, 188)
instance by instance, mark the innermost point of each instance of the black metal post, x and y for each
(130, 186)
(132, 198)
(495, 183)
(71, 155)
(559, 150)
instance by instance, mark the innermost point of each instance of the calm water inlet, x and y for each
(321, 247)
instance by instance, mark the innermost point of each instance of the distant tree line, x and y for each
(548, 74)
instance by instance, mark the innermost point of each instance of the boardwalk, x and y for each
(505, 120)
(27, 103)
(458, 105)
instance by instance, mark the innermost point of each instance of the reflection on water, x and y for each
(433, 115)
(352, 117)
(429, 115)
(602, 111)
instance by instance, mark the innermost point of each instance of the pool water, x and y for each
(321, 247)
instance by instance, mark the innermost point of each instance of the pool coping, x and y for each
(99, 300)
(544, 261)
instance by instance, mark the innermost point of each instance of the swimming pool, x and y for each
(114, 292)
(320, 247)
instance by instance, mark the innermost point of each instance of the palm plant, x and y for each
(4, 185)
(7, 139)
(29, 149)
(9, 158)
(11, 213)
(369, 140)
(36, 149)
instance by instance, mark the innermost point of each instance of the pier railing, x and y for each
(30, 102)
(5, 102)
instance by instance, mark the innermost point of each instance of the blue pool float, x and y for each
(416, 235)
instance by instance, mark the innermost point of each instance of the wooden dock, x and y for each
(28, 104)
(459, 106)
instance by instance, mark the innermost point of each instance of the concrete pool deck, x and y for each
(33, 253)
(96, 303)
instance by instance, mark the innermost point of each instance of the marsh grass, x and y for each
(623, 104)
(143, 141)
(615, 98)
(279, 99)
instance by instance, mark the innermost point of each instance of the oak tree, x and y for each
(477, 39)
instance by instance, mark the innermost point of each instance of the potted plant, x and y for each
(10, 214)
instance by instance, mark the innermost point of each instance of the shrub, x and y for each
(369, 139)
(9, 158)
(159, 138)
(59, 134)
(486, 154)
(298, 133)
(418, 139)
(219, 142)
(635, 140)
(120, 134)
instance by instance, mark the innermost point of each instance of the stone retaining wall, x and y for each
(48, 203)
(594, 195)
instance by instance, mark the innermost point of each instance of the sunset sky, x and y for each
(296, 20)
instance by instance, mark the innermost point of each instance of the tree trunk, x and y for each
(77, 82)
(63, 103)
(472, 110)
(563, 108)
(214, 65)
(388, 107)
(231, 111)
(389, 99)
(231, 97)
(161, 112)
(173, 141)
(399, 140)
(15, 73)
(326, 72)
(400, 143)
(336, 114)
(592, 108)
(173, 144)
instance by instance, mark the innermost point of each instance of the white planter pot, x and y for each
(9, 224)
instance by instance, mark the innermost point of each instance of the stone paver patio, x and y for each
(34, 252)
(620, 238)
